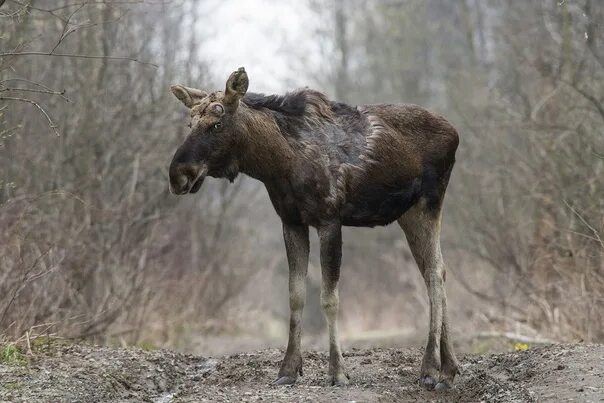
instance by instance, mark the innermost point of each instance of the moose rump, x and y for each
(407, 154)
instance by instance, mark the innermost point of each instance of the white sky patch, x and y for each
(267, 37)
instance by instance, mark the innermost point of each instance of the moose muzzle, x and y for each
(186, 178)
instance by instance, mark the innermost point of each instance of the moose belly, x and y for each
(380, 204)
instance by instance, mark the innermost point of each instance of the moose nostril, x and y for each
(184, 176)
(182, 181)
(179, 186)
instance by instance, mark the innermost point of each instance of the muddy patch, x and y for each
(88, 373)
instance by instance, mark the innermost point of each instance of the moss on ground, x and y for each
(11, 354)
(11, 386)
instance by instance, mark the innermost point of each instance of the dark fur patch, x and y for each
(430, 187)
(291, 104)
(344, 109)
(380, 204)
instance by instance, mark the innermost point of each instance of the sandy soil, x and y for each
(89, 374)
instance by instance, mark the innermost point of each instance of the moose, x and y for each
(326, 164)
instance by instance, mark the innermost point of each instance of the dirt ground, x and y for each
(89, 374)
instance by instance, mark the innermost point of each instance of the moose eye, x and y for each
(217, 125)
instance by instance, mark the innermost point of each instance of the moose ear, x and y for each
(188, 96)
(236, 87)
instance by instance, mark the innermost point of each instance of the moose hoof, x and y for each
(442, 386)
(341, 379)
(427, 382)
(284, 380)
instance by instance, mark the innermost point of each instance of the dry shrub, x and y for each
(90, 242)
(531, 172)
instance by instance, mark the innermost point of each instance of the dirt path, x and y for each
(88, 374)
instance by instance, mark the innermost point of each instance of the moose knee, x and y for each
(296, 301)
(434, 276)
(329, 302)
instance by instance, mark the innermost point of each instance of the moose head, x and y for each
(210, 147)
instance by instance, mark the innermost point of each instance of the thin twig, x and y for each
(37, 105)
(61, 94)
(65, 32)
(24, 280)
(52, 11)
(9, 14)
(27, 340)
(76, 56)
(591, 98)
(37, 84)
(588, 225)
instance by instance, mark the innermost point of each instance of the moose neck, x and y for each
(264, 153)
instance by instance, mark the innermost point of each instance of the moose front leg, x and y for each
(330, 237)
(297, 247)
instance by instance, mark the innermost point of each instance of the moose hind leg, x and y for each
(297, 248)
(330, 238)
(449, 364)
(421, 225)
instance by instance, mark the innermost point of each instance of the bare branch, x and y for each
(37, 84)
(61, 94)
(11, 14)
(77, 56)
(66, 32)
(591, 98)
(587, 224)
(37, 105)
(24, 280)
(53, 11)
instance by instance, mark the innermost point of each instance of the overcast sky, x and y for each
(255, 34)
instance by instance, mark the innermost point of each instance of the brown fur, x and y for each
(325, 165)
